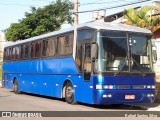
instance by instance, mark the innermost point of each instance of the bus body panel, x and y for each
(50, 83)
(118, 96)
(43, 77)
(39, 76)
(133, 85)
(47, 75)
(83, 90)
(44, 66)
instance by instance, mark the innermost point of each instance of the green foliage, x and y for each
(41, 20)
(17, 31)
(142, 18)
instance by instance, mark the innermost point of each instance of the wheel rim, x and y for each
(15, 87)
(69, 92)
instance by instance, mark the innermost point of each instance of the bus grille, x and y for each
(138, 86)
(122, 86)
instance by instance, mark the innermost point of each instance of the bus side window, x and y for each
(10, 54)
(61, 45)
(38, 50)
(79, 56)
(22, 52)
(26, 51)
(69, 44)
(6, 54)
(52, 45)
(87, 61)
(17, 52)
(33, 50)
(13, 53)
(44, 47)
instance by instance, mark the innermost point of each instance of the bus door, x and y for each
(86, 62)
(86, 88)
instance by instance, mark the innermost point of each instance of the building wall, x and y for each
(2, 43)
(156, 35)
(156, 40)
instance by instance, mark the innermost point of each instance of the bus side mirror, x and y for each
(94, 51)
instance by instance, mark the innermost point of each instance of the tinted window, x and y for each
(38, 49)
(82, 36)
(52, 45)
(44, 47)
(85, 35)
(33, 50)
(15, 53)
(69, 44)
(25, 51)
(8, 54)
(61, 45)
(22, 52)
(87, 57)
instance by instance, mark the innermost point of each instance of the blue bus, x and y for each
(93, 63)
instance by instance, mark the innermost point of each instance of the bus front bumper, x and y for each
(123, 97)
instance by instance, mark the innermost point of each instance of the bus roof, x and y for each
(92, 25)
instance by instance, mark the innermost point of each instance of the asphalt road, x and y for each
(30, 102)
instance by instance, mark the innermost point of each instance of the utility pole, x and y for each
(75, 12)
(75, 28)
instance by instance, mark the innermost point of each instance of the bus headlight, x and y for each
(108, 87)
(148, 86)
(98, 86)
(151, 86)
(111, 86)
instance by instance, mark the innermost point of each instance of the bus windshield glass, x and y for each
(120, 51)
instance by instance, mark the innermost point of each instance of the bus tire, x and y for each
(69, 93)
(15, 87)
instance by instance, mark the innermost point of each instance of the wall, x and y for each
(156, 40)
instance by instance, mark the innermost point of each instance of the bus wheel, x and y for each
(69, 93)
(15, 87)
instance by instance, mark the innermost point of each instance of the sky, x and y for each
(13, 10)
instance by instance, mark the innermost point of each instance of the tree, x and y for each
(18, 31)
(41, 20)
(142, 18)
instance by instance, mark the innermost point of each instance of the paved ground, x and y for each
(29, 102)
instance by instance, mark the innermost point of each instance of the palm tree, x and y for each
(142, 18)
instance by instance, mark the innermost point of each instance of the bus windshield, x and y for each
(120, 51)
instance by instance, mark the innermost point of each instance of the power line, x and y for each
(112, 7)
(16, 4)
(91, 3)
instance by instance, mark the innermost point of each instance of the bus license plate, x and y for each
(129, 97)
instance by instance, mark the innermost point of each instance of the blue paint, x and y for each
(47, 77)
(118, 96)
